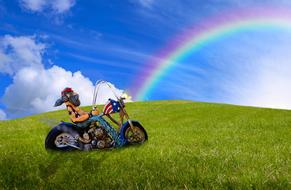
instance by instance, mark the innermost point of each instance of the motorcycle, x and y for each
(97, 132)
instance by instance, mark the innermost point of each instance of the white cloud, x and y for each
(16, 53)
(58, 6)
(2, 115)
(34, 88)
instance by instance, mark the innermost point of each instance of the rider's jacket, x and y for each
(73, 111)
(76, 114)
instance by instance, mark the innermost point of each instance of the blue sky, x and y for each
(113, 41)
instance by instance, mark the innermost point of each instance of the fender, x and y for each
(68, 128)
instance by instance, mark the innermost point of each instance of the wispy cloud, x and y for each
(103, 62)
(63, 5)
(145, 3)
(33, 5)
(57, 6)
(25, 53)
(128, 55)
(125, 47)
(176, 15)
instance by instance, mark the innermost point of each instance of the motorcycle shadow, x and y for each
(57, 161)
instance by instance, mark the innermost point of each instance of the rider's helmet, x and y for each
(68, 95)
(66, 91)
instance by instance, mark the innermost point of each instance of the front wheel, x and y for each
(136, 134)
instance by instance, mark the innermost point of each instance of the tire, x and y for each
(140, 137)
(52, 140)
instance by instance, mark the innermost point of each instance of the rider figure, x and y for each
(72, 101)
(80, 117)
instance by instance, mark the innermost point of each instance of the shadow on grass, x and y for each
(88, 160)
(57, 160)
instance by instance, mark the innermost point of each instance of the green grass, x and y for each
(191, 146)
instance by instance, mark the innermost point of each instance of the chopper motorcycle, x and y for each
(97, 132)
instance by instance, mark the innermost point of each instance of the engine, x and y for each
(99, 138)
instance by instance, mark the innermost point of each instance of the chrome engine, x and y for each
(98, 137)
(99, 133)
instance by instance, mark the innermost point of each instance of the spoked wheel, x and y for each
(64, 140)
(136, 134)
(60, 140)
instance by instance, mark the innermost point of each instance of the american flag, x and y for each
(111, 106)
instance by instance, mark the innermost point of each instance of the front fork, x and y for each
(129, 121)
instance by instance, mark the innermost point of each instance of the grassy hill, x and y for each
(191, 145)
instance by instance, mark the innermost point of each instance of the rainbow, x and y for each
(212, 28)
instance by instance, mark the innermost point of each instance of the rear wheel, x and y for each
(136, 134)
(60, 140)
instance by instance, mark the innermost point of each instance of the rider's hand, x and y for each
(95, 112)
(81, 118)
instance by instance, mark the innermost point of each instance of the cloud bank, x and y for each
(35, 88)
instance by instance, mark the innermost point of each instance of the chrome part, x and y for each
(99, 132)
(96, 91)
(94, 143)
(135, 135)
(91, 130)
(85, 139)
(74, 146)
(87, 147)
(64, 140)
(109, 142)
(101, 144)
(86, 136)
